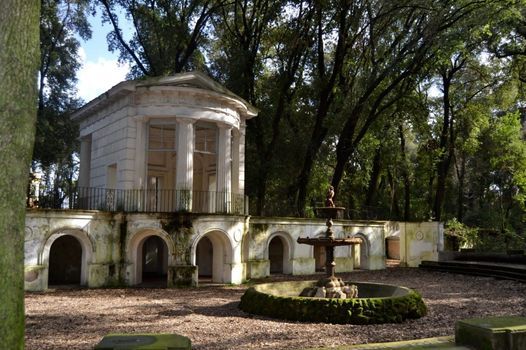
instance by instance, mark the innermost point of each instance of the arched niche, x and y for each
(215, 250)
(279, 253)
(65, 261)
(86, 251)
(135, 252)
(361, 252)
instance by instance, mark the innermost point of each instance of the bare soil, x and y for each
(79, 318)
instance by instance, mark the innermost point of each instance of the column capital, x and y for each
(224, 126)
(185, 121)
(141, 118)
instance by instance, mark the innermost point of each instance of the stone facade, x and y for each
(113, 246)
(161, 195)
(181, 133)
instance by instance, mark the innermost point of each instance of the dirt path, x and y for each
(78, 319)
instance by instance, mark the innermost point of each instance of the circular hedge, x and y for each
(377, 303)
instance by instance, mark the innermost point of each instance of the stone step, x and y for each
(144, 342)
(492, 333)
(504, 271)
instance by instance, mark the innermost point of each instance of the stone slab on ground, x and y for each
(492, 333)
(144, 342)
(438, 343)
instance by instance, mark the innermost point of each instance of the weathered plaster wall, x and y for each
(111, 141)
(112, 245)
(418, 241)
(261, 231)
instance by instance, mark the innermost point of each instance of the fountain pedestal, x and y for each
(334, 287)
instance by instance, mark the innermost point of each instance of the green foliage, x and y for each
(481, 240)
(467, 237)
(410, 111)
(329, 310)
(56, 137)
(168, 35)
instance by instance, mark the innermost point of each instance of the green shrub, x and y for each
(481, 240)
(394, 309)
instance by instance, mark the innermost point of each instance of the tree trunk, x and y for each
(444, 160)
(318, 135)
(461, 174)
(19, 60)
(373, 182)
(405, 176)
(394, 209)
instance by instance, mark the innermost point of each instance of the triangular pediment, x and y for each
(191, 79)
(194, 80)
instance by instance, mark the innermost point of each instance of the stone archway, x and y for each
(154, 260)
(361, 253)
(204, 253)
(275, 255)
(214, 251)
(150, 253)
(279, 253)
(65, 261)
(66, 250)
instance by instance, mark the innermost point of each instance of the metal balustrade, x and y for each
(163, 201)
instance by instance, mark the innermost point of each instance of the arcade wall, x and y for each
(115, 249)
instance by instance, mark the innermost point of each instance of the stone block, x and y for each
(492, 333)
(144, 342)
(258, 268)
(303, 266)
(35, 278)
(182, 276)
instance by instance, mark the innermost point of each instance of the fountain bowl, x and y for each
(330, 212)
(376, 303)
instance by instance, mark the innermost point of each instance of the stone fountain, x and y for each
(330, 286)
(377, 303)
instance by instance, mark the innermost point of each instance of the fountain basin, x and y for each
(330, 212)
(377, 303)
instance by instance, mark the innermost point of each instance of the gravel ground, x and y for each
(78, 319)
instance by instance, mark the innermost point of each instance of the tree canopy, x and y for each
(411, 109)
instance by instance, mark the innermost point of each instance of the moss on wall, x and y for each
(181, 276)
(123, 233)
(258, 229)
(180, 227)
(394, 309)
(176, 222)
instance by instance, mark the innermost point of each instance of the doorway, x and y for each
(275, 255)
(154, 262)
(65, 261)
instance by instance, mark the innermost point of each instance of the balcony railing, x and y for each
(163, 201)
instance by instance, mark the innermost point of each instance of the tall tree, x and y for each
(56, 136)
(168, 35)
(337, 25)
(19, 55)
(250, 31)
(399, 42)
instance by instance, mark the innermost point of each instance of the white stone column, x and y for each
(235, 161)
(184, 177)
(141, 160)
(224, 168)
(241, 154)
(85, 161)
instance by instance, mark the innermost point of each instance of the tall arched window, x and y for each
(162, 158)
(205, 167)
